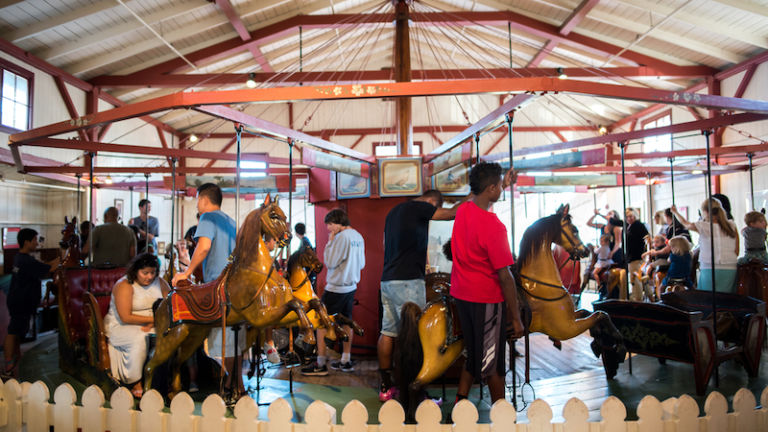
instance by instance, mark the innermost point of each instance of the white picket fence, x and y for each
(26, 407)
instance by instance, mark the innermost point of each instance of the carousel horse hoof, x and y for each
(596, 348)
(556, 343)
(390, 393)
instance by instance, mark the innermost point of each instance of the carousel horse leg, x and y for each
(333, 329)
(165, 347)
(343, 320)
(187, 347)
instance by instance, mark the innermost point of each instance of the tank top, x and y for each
(143, 299)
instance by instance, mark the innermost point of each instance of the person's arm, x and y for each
(618, 239)
(201, 252)
(737, 239)
(509, 291)
(450, 213)
(689, 225)
(591, 222)
(336, 251)
(52, 264)
(123, 293)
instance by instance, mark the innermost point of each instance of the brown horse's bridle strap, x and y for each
(565, 293)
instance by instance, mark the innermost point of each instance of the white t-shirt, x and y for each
(725, 247)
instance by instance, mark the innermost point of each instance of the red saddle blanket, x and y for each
(201, 304)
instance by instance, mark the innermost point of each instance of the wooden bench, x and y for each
(740, 322)
(82, 343)
(665, 332)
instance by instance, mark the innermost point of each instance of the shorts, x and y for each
(484, 336)
(19, 325)
(339, 303)
(396, 293)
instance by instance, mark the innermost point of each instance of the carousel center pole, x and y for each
(707, 133)
(751, 181)
(146, 224)
(79, 204)
(509, 117)
(173, 211)
(290, 188)
(623, 147)
(90, 218)
(672, 190)
(239, 134)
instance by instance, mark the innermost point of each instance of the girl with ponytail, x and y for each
(726, 252)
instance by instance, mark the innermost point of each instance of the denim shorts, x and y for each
(394, 294)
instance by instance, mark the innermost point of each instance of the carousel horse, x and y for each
(249, 289)
(298, 276)
(545, 304)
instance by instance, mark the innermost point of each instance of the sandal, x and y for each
(10, 368)
(137, 392)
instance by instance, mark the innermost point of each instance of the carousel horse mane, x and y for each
(247, 243)
(538, 236)
(293, 261)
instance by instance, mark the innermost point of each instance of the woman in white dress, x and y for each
(130, 319)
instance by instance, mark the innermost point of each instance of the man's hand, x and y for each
(147, 327)
(518, 330)
(509, 178)
(179, 277)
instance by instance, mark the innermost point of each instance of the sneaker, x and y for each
(344, 367)
(272, 355)
(315, 370)
(387, 394)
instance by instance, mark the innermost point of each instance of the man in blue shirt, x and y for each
(215, 235)
(148, 226)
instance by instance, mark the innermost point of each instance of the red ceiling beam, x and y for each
(224, 149)
(287, 78)
(236, 116)
(745, 81)
(419, 129)
(242, 31)
(710, 123)
(71, 110)
(480, 125)
(156, 170)
(569, 24)
(651, 169)
(341, 92)
(757, 149)
(502, 18)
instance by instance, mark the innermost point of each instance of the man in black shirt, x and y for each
(23, 296)
(636, 233)
(405, 259)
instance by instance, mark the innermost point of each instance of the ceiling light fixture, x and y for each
(193, 138)
(108, 180)
(251, 83)
(602, 130)
(561, 73)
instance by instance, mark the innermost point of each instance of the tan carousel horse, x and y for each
(249, 289)
(546, 304)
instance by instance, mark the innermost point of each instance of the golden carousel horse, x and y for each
(547, 307)
(249, 289)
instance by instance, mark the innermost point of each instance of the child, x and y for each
(604, 260)
(660, 259)
(679, 261)
(23, 296)
(754, 238)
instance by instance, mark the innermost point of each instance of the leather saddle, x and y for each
(201, 304)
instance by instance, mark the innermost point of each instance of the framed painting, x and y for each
(352, 186)
(119, 203)
(454, 181)
(399, 177)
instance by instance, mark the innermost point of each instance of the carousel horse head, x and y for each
(267, 219)
(69, 236)
(306, 258)
(569, 234)
(557, 228)
(273, 221)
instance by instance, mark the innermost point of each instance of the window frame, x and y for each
(394, 144)
(654, 119)
(30, 77)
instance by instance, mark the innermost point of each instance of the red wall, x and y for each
(367, 216)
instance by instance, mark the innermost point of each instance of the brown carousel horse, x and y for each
(250, 289)
(547, 307)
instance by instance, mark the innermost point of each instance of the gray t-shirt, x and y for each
(112, 244)
(754, 238)
(344, 258)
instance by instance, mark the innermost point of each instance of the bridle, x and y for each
(576, 244)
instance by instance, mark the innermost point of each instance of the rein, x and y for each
(565, 293)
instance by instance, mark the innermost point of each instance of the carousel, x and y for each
(588, 352)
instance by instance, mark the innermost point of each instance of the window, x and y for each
(259, 165)
(15, 103)
(658, 143)
(385, 149)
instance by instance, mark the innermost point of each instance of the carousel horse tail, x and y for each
(343, 320)
(408, 358)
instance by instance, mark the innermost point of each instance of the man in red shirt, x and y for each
(481, 281)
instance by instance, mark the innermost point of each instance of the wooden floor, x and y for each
(556, 376)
